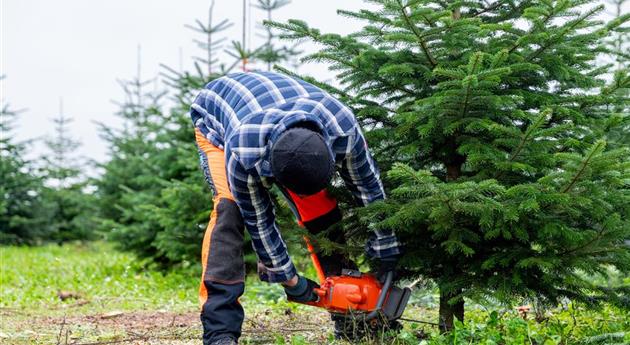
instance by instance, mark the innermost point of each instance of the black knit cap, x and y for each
(300, 161)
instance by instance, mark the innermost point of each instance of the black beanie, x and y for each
(301, 161)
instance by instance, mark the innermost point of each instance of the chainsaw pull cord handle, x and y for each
(318, 267)
(389, 278)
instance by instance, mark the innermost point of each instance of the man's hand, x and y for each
(386, 265)
(300, 289)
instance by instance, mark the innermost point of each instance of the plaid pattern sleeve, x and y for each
(362, 178)
(259, 217)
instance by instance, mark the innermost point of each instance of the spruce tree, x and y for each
(152, 195)
(62, 166)
(210, 44)
(492, 123)
(70, 208)
(131, 179)
(153, 198)
(617, 125)
(21, 208)
(619, 41)
(270, 53)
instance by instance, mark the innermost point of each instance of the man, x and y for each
(254, 130)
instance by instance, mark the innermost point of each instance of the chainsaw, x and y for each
(359, 296)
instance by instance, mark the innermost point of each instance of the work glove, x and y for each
(385, 266)
(302, 292)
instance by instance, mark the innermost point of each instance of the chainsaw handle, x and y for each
(389, 278)
(321, 276)
(320, 292)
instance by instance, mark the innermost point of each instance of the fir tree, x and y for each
(185, 84)
(21, 208)
(490, 123)
(61, 165)
(153, 199)
(617, 125)
(129, 179)
(210, 44)
(152, 195)
(269, 52)
(70, 208)
(620, 40)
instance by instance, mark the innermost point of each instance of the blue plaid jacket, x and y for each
(243, 114)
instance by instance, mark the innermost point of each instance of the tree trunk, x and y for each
(453, 171)
(457, 13)
(453, 162)
(448, 312)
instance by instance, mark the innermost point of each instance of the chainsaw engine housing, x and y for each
(355, 292)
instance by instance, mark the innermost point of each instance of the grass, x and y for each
(115, 299)
(32, 276)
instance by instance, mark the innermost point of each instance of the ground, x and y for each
(110, 298)
(92, 295)
(156, 327)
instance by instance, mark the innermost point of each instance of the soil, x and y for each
(159, 327)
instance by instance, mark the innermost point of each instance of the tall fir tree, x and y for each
(486, 120)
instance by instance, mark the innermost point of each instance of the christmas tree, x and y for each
(494, 126)
(21, 218)
(152, 196)
(269, 52)
(70, 209)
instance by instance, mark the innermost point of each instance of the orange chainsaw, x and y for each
(359, 295)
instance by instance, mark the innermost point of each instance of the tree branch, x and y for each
(581, 171)
(555, 40)
(414, 29)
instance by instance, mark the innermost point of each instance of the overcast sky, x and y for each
(77, 49)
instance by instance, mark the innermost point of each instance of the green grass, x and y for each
(32, 276)
(571, 325)
(109, 281)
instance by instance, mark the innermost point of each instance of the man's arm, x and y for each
(362, 178)
(259, 217)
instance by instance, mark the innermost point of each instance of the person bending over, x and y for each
(257, 129)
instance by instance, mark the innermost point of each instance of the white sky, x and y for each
(76, 49)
